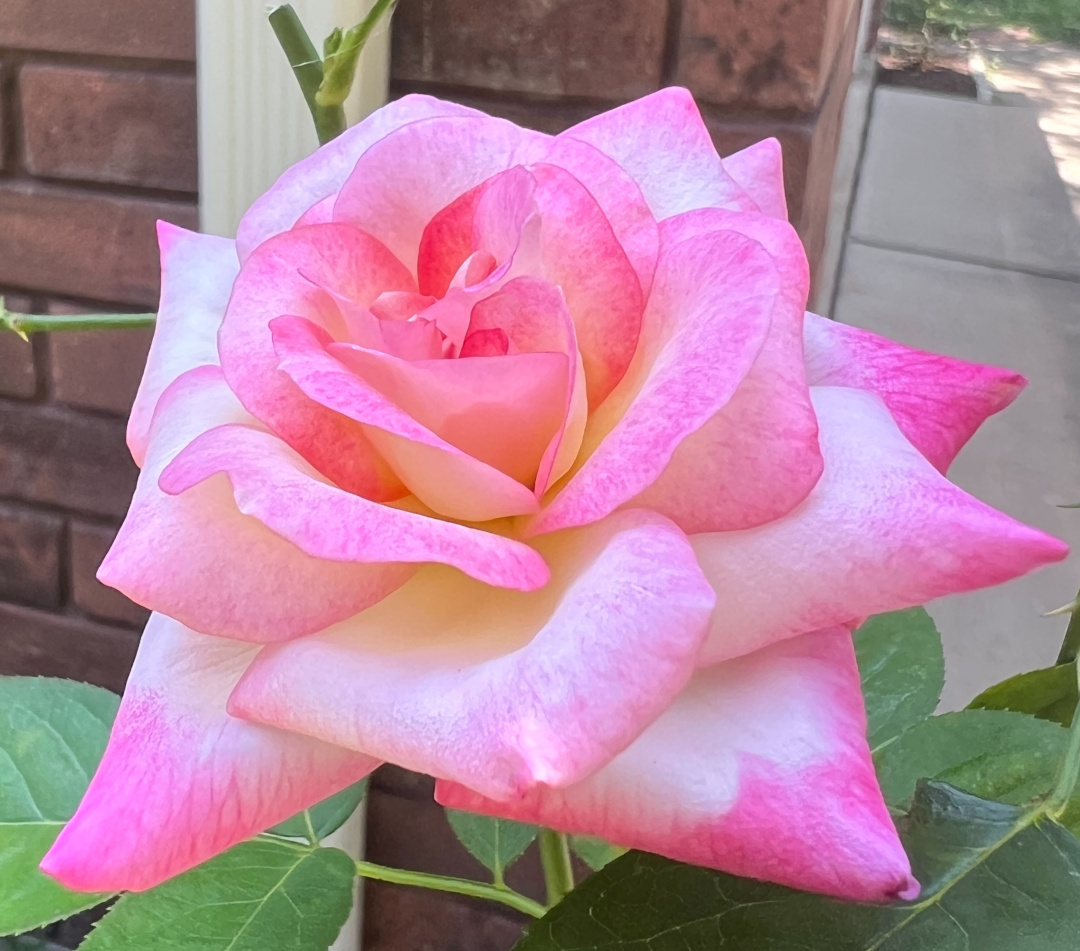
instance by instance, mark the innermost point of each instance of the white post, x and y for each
(253, 124)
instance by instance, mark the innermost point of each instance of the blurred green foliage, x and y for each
(1049, 19)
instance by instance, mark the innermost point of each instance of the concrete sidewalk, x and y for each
(963, 241)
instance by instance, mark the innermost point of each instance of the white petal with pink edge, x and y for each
(881, 530)
(324, 172)
(181, 780)
(197, 274)
(662, 141)
(758, 457)
(705, 324)
(759, 168)
(760, 768)
(502, 690)
(938, 402)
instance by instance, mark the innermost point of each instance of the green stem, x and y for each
(343, 53)
(312, 838)
(555, 858)
(459, 886)
(307, 67)
(1070, 767)
(24, 324)
(1070, 647)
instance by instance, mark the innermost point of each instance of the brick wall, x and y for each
(757, 67)
(97, 141)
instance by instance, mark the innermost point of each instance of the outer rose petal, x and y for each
(197, 274)
(758, 457)
(181, 780)
(199, 559)
(714, 294)
(287, 275)
(325, 171)
(760, 170)
(496, 690)
(882, 530)
(662, 142)
(938, 402)
(760, 768)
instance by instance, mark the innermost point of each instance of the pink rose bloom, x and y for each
(514, 459)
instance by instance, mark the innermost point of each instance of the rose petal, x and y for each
(501, 410)
(496, 690)
(758, 457)
(286, 275)
(578, 251)
(403, 180)
(938, 402)
(532, 315)
(199, 559)
(760, 768)
(882, 530)
(443, 477)
(662, 142)
(759, 169)
(325, 171)
(707, 319)
(182, 780)
(197, 274)
(615, 191)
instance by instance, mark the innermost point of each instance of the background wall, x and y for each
(98, 133)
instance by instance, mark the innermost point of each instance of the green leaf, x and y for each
(903, 671)
(496, 843)
(995, 754)
(596, 853)
(1049, 694)
(327, 816)
(996, 878)
(52, 736)
(262, 895)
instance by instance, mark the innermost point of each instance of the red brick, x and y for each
(140, 28)
(108, 125)
(36, 643)
(50, 454)
(18, 375)
(399, 918)
(80, 244)
(810, 144)
(30, 556)
(597, 48)
(89, 545)
(98, 369)
(771, 54)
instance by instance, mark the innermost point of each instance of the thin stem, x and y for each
(1070, 766)
(1070, 647)
(311, 836)
(307, 67)
(459, 886)
(24, 324)
(343, 53)
(555, 858)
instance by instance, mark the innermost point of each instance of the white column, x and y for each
(253, 122)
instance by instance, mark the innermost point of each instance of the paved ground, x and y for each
(963, 240)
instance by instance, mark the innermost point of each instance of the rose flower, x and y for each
(515, 460)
